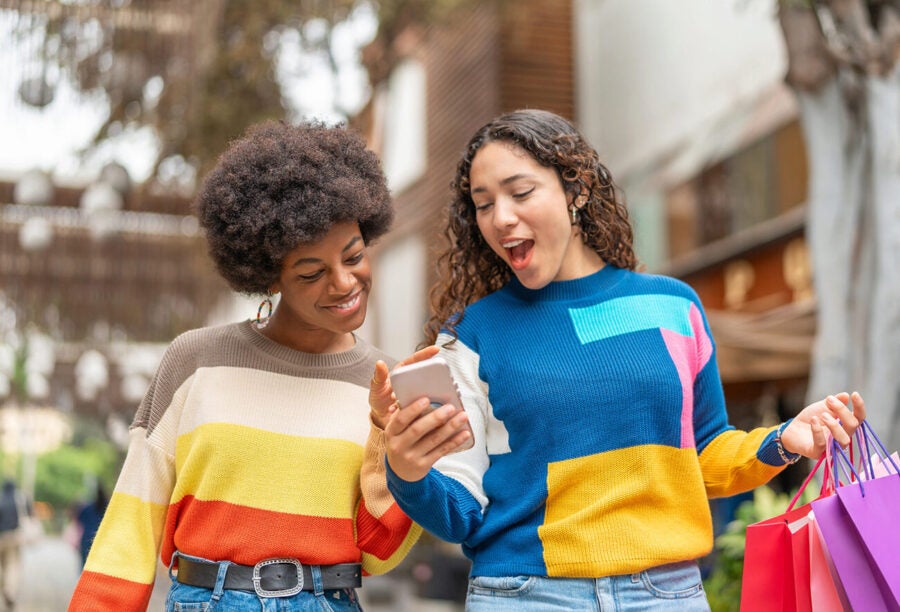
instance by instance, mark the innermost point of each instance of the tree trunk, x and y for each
(848, 89)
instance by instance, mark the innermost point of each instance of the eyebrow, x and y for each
(347, 247)
(506, 181)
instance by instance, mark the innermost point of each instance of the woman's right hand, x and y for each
(415, 441)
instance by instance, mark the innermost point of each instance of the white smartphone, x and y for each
(430, 378)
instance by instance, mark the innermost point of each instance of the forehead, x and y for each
(500, 162)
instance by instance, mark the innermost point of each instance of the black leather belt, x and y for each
(270, 577)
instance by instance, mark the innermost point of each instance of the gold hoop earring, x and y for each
(267, 302)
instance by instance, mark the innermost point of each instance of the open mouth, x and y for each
(518, 252)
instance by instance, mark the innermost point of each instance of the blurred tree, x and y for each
(843, 67)
(200, 71)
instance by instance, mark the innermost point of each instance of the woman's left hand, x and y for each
(381, 394)
(806, 433)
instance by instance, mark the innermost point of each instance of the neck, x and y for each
(307, 340)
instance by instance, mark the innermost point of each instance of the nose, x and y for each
(342, 281)
(504, 213)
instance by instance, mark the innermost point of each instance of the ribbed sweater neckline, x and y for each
(568, 290)
(301, 359)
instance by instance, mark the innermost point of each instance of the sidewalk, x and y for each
(51, 568)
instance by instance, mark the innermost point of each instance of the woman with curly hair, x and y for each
(255, 469)
(592, 390)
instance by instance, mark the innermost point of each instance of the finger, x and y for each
(842, 437)
(449, 436)
(380, 376)
(421, 355)
(818, 435)
(859, 406)
(453, 443)
(407, 415)
(839, 407)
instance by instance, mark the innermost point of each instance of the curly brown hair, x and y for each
(282, 185)
(468, 268)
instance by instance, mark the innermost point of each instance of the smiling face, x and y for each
(324, 289)
(523, 214)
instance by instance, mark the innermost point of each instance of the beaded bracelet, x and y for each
(787, 456)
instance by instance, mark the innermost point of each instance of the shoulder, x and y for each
(659, 284)
(373, 353)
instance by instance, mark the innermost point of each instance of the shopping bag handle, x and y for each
(866, 434)
(840, 457)
(802, 488)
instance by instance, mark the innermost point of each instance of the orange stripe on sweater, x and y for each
(382, 537)
(102, 593)
(221, 531)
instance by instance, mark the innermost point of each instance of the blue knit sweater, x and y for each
(600, 431)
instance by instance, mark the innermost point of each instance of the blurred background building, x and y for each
(720, 121)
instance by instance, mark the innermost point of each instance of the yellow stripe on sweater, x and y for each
(735, 448)
(314, 476)
(646, 504)
(127, 521)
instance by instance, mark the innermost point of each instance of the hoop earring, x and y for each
(260, 322)
(574, 214)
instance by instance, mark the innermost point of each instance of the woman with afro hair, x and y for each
(592, 390)
(255, 470)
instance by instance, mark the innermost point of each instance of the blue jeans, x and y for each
(186, 598)
(668, 587)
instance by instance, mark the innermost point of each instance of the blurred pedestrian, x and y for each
(88, 520)
(256, 469)
(10, 542)
(592, 390)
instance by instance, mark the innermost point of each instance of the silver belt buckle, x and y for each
(257, 579)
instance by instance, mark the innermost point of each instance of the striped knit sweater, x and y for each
(600, 431)
(243, 450)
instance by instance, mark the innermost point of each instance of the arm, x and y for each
(385, 533)
(734, 461)
(441, 489)
(121, 567)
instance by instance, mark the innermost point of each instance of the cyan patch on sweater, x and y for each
(629, 314)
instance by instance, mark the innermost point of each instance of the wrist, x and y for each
(787, 456)
(377, 421)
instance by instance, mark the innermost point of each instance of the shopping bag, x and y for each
(873, 509)
(776, 559)
(859, 576)
(825, 594)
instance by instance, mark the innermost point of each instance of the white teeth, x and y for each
(512, 244)
(349, 304)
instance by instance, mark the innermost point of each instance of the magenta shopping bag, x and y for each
(859, 530)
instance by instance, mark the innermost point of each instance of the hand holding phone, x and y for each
(430, 378)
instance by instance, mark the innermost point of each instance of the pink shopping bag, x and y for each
(825, 595)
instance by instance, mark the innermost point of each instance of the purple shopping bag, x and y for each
(873, 508)
(866, 569)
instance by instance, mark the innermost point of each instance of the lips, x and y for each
(348, 306)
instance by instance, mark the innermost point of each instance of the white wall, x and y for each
(656, 76)
(398, 305)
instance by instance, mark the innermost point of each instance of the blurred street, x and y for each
(51, 567)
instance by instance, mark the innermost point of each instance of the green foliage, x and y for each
(64, 477)
(723, 585)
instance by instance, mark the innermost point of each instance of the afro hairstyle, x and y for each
(282, 185)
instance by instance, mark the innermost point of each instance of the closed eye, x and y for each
(311, 277)
(523, 194)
